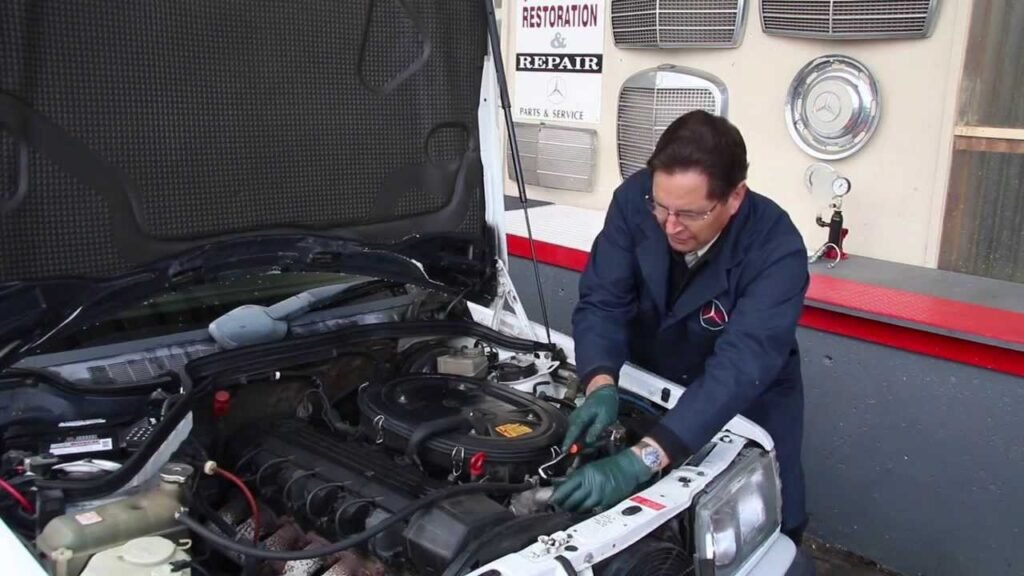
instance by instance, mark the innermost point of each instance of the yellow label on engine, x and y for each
(513, 429)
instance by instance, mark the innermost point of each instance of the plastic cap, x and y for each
(476, 464)
(148, 551)
(176, 472)
(221, 403)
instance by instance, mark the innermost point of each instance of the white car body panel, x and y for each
(602, 536)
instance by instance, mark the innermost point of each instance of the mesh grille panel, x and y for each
(419, 201)
(28, 248)
(867, 8)
(8, 165)
(676, 23)
(848, 18)
(644, 113)
(230, 116)
(554, 157)
(673, 103)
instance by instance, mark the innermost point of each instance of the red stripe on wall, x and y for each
(903, 306)
(918, 341)
(899, 305)
(548, 253)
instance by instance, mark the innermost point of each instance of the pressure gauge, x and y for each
(841, 186)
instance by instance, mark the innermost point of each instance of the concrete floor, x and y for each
(834, 561)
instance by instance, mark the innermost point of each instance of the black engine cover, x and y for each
(444, 421)
(294, 464)
(437, 535)
(339, 487)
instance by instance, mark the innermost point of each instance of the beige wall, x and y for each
(899, 178)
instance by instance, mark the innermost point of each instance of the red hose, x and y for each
(25, 504)
(248, 496)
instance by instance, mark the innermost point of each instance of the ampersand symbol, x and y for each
(558, 42)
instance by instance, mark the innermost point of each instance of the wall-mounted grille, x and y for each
(849, 19)
(555, 156)
(678, 23)
(652, 99)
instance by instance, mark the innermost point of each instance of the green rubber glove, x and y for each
(598, 412)
(602, 484)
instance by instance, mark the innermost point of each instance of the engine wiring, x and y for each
(309, 499)
(244, 471)
(355, 540)
(181, 565)
(18, 497)
(318, 390)
(346, 506)
(212, 469)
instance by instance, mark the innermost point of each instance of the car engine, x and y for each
(409, 448)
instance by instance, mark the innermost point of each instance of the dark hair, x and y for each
(709, 143)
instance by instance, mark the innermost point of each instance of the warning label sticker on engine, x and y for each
(513, 430)
(647, 502)
(79, 445)
(88, 518)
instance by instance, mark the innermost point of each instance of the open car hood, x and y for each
(133, 132)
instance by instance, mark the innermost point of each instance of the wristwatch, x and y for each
(650, 456)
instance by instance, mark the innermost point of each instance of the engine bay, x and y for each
(422, 447)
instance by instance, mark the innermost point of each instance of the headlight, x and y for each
(738, 514)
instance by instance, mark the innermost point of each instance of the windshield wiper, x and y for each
(252, 324)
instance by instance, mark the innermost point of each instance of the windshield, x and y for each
(194, 307)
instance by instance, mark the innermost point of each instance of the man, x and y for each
(700, 280)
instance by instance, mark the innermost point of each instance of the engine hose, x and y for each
(425, 360)
(307, 349)
(78, 490)
(355, 540)
(425, 431)
(209, 512)
(555, 400)
(422, 355)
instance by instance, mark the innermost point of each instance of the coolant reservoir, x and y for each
(69, 541)
(149, 556)
(469, 362)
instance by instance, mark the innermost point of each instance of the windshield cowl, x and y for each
(37, 312)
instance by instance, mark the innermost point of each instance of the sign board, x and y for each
(559, 59)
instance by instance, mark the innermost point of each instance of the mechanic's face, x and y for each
(690, 219)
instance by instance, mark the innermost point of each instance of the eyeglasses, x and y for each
(663, 212)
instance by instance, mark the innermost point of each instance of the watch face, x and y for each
(650, 456)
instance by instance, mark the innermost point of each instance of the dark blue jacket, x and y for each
(742, 358)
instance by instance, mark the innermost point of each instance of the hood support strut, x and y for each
(506, 106)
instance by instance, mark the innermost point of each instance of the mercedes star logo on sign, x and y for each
(559, 60)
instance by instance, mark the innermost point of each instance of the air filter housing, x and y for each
(652, 99)
(849, 19)
(678, 23)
